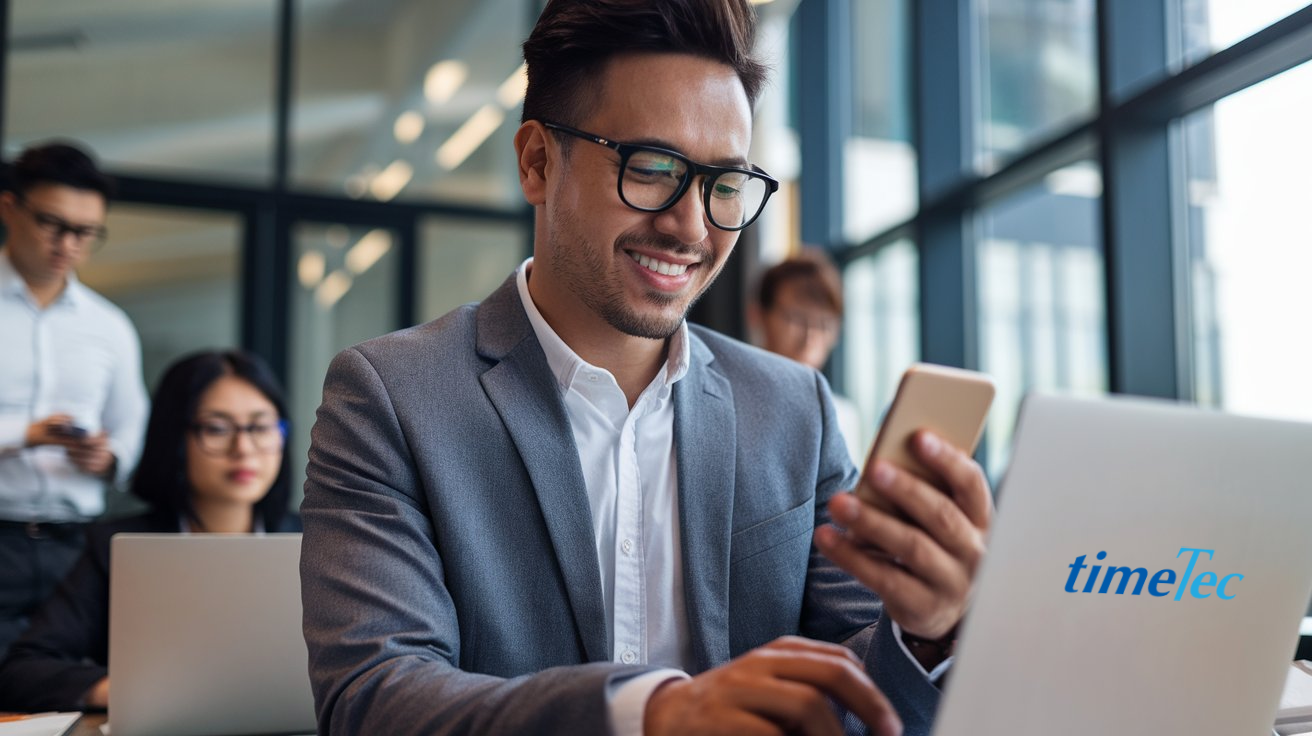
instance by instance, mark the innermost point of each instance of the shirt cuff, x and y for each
(627, 700)
(932, 676)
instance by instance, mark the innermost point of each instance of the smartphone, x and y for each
(950, 402)
(69, 430)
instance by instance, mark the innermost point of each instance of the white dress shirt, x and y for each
(78, 356)
(629, 466)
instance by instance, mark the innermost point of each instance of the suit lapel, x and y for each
(521, 387)
(706, 441)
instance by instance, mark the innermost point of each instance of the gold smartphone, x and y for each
(950, 402)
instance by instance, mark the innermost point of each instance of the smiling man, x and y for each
(72, 404)
(564, 509)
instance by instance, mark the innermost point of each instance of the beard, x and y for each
(583, 270)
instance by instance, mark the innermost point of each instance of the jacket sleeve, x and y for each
(838, 608)
(65, 650)
(380, 625)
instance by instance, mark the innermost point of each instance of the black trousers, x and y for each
(33, 559)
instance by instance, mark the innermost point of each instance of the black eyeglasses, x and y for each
(56, 227)
(652, 179)
(216, 436)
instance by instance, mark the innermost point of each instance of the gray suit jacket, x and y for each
(449, 575)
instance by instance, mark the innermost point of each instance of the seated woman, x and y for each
(215, 459)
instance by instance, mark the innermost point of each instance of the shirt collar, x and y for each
(565, 363)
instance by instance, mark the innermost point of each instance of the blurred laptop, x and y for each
(205, 636)
(1185, 536)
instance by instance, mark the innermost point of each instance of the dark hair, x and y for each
(59, 162)
(573, 40)
(161, 476)
(812, 272)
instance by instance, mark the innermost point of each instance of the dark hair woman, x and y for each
(215, 459)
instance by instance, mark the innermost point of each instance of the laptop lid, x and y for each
(205, 636)
(1184, 534)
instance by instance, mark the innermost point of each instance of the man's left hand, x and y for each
(923, 564)
(92, 455)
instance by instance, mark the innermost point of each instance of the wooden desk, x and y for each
(88, 725)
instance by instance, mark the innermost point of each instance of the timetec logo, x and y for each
(1159, 584)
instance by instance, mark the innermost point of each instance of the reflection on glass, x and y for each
(462, 261)
(1212, 25)
(881, 329)
(879, 158)
(1038, 71)
(342, 294)
(1042, 306)
(411, 100)
(1248, 192)
(160, 88)
(176, 273)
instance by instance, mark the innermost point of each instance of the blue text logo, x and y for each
(1159, 584)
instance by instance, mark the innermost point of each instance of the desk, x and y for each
(88, 725)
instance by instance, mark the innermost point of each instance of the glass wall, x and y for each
(156, 89)
(414, 99)
(1041, 300)
(1208, 26)
(1250, 255)
(462, 261)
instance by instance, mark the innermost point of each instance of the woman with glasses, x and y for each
(215, 460)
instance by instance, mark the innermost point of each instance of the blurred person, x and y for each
(215, 460)
(73, 406)
(566, 510)
(798, 313)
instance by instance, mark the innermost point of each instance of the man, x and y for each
(72, 403)
(542, 513)
(798, 314)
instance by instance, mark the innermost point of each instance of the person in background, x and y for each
(215, 460)
(72, 403)
(798, 313)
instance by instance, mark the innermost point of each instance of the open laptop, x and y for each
(1150, 653)
(205, 636)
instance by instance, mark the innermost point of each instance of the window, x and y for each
(462, 261)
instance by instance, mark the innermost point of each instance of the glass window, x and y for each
(1249, 255)
(462, 261)
(879, 158)
(414, 99)
(1039, 71)
(1041, 299)
(341, 295)
(176, 272)
(154, 88)
(881, 330)
(1212, 25)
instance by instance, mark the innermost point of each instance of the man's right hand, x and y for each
(47, 431)
(782, 687)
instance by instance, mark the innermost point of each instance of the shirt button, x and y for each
(592, 377)
(628, 657)
(627, 546)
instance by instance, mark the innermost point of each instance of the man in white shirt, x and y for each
(564, 509)
(72, 404)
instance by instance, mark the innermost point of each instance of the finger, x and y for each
(938, 515)
(841, 679)
(803, 644)
(797, 707)
(57, 419)
(895, 585)
(963, 476)
(910, 546)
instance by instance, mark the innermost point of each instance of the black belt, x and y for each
(42, 529)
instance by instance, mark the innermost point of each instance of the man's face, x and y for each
(799, 328)
(39, 242)
(599, 258)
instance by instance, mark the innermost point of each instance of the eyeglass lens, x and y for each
(651, 180)
(218, 436)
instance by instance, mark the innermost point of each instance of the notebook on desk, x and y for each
(1147, 573)
(205, 636)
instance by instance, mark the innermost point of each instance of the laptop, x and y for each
(1186, 538)
(205, 636)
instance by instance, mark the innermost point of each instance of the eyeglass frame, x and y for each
(56, 227)
(237, 430)
(695, 169)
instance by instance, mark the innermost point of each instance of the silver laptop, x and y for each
(205, 636)
(1186, 538)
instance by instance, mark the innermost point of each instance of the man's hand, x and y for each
(98, 695)
(782, 687)
(91, 455)
(49, 431)
(923, 565)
